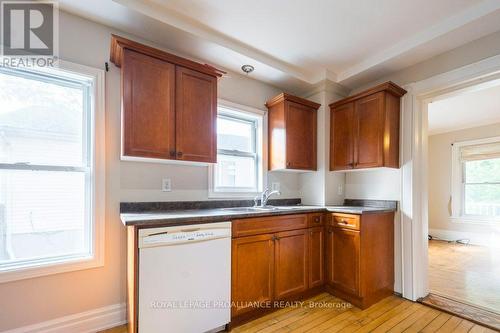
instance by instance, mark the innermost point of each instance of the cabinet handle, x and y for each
(179, 154)
(288, 164)
(172, 153)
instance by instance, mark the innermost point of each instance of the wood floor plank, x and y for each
(274, 317)
(464, 327)
(393, 321)
(317, 318)
(450, 325)
(425, 320)
(436, 323)
(392, 314)
(408, 321)
(480, 329)
(368, 327)
(363, 318)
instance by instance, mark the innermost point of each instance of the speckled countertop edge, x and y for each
(200, 216)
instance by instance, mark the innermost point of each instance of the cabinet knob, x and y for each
(288, 164)
(179, 154)
(172, 153)
(330, 229)
(316, 219)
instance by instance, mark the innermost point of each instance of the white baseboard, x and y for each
(476, 238)
(85, 322)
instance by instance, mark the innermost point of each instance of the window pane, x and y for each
(40, 122)
(482, 171)
(235, 135)
(42, 215)
(482, 200)
(235, 171)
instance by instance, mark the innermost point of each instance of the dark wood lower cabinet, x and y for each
(281, 258)
(345, 268)
(291, 263)
(360, 257)
(252, 271)
(316, 256)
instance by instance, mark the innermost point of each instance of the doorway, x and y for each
(454, 273)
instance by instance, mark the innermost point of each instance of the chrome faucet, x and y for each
(264, 197)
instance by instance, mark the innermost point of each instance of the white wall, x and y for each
(377, 184)
(440, 162)
(321, 186)
(40, 299)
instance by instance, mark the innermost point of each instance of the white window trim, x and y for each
(457, 199)
(261, 148)
(97, 77)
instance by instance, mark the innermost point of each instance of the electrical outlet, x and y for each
(166, 185)
(340, 189)
(275, 186)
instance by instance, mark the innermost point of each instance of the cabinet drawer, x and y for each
(346, 221)
(268, 224)
(316, 220)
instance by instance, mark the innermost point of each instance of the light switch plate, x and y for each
(340, 189)
(166, 185)
(275, 186)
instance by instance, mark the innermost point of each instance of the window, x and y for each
(239, 152)
(49, 177)
(476, 188)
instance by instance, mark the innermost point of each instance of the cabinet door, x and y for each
(148, 106)
(329, 255)
(301, 137)
(341, 137)
(252, 271)
(369, 131)
(346, 261)
(196, 116)
(291, 264)
(316, 256)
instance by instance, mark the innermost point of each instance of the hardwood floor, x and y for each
(325, 313)
(467, 273)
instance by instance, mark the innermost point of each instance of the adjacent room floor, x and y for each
(466, 273)
(392, 314)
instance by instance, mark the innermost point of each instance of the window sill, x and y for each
(50, 268)
(232, 195)
(475, 220)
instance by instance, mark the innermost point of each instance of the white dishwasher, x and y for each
(185, 278)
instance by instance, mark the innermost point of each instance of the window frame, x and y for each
(246, 114)
(457, 198)
(94, 153)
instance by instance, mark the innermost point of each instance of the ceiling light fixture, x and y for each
(247, 69)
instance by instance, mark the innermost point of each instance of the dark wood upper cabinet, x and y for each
(169, 104)
(364, 129)
(292, 133)
(342, 138)
(148, 84)
(196, 116)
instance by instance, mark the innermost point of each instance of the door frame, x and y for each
(414, 163)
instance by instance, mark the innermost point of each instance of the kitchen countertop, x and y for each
(198, 216)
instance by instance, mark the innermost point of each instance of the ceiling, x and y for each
(472, 109)
(297, 43)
